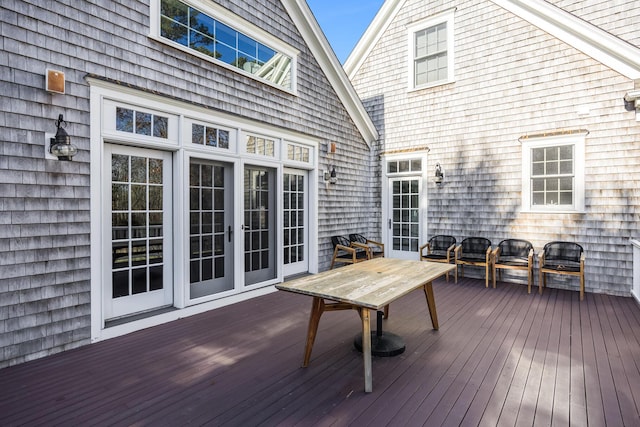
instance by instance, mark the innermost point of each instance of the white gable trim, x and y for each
(378, 26)
(605, 48)
(314, 37)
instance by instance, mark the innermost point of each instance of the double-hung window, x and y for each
(431, 55)
(553, 173)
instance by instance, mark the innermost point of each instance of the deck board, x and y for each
(501, 357)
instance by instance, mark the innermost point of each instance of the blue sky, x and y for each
(344, 21)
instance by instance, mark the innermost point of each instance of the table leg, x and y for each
(317, 308)
(366, 350)
(431, 302)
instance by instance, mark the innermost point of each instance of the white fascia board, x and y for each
(314, 37)
(602, 46)
(373, 33)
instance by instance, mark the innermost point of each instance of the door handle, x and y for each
(389, 223)
(230, 231)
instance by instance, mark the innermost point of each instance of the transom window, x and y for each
(431, 54)
(209, 136)
(201, 32)
(141, 123)
(404, 166)
(260, 145)
(298, 153)
(553, 173)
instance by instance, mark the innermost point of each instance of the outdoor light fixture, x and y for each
(60, 145)
(439, 174)
(331, 177)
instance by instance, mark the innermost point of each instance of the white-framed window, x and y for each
(553, 173)
(431, 56)
(213, 33)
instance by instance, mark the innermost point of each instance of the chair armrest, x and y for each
(349, 249)
(358, 245)
(421, 249)
(456, 252)
(495, 254)
(541, 258)
(582, 258)
(487, 255)
(530, 257)
(379, 244)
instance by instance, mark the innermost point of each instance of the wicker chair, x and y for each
(376, 249)
(347, 253)
(562, 258)
(514, 254)
(474, 251)
(438, 249)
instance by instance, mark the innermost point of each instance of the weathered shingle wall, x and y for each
(619, 18)
(44, 204)
(511, 80)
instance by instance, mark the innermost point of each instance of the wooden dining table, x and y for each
(365, 286)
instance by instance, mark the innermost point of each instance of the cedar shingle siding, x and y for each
(45, 301)
(511, 80)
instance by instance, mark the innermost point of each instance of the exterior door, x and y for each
(137, 231)
(404, 219)
(211, 228)
(259, 224)
(295, 222)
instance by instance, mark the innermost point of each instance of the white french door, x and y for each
(137, 231)
(259, 224)
(211, 222)
(295, 222)
(403, 226)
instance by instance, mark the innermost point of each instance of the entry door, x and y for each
(211, 227)
(137, 231)
(295, 222)
(404, 220)
(259, 224)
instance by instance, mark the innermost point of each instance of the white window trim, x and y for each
(448, 17)
(236, 22)
(578, 141)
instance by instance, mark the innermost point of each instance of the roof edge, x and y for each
(372, 34)
(615, 53)
(313, 35)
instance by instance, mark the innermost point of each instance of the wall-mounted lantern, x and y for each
(331, 177)
(60, 145)
(439, 177)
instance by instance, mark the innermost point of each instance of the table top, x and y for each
(371, 284)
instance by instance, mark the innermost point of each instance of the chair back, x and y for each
(475, 245)
(359, 238)
(340, 240)
(441, 243)
(515, 248)
(563, 251)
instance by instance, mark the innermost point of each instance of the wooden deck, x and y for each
(501, 357)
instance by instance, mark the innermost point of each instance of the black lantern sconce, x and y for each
(439, 174)
(60, 145)
(331, 177)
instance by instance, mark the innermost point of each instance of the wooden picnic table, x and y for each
(365, 286)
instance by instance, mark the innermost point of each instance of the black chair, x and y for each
(347, 253)
(438, 249)
(516, 254)
(562, 258)
(474, 251)
(376, 249)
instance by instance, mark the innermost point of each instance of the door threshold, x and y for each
(127, 319)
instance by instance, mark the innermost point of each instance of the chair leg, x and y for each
(494, 276)
(486, 275)
(456, 274)
(581, 286)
